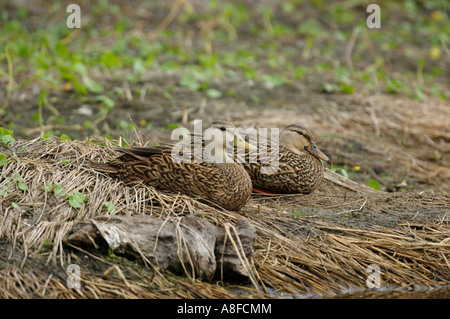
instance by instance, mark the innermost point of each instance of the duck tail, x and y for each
(103, 167)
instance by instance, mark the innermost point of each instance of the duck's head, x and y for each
(298, 139)
(231, 134)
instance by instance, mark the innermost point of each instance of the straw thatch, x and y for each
(306, 245)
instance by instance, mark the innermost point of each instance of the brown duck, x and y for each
(216, 179)
(299, 169)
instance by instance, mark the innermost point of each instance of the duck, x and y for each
(216, 179)
(298, 166)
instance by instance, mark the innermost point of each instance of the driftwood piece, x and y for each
(233, 245)
(347, 183)
(187, 244)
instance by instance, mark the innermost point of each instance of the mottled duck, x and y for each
(216, 178)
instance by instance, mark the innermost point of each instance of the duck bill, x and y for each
(314, 150)
(241, 143)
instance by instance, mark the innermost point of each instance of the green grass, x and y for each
(273, 45)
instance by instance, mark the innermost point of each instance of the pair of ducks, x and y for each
(225, 182)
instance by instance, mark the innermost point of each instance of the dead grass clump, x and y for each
(323, 249)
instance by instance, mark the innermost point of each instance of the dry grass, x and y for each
(325, 248)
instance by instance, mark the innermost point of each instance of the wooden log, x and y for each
(233, 248)
(189, 244)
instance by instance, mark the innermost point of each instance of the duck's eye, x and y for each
(222, 128)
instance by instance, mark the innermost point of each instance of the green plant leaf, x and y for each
(48, 187)
(329, 88)
(110, 208)
(92, 85)
(139, 67)
(87, 125)
(21, 185)
(74, 203)
(59, 190)
(395, 86)
(172, 126)
(110, 59)
(106, 101)
(374, 184)
(79, 68)
(65, 137)
(76, 199)
(15, 205)
(6, 136)
(170, 65)
(274, 80)
(3, 159)
(190, 82)
(347, 88)
(299, 72)
(213, 93)
(7, 139)
(78, 196)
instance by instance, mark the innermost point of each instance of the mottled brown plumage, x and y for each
(225, 184)
(299, 167)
